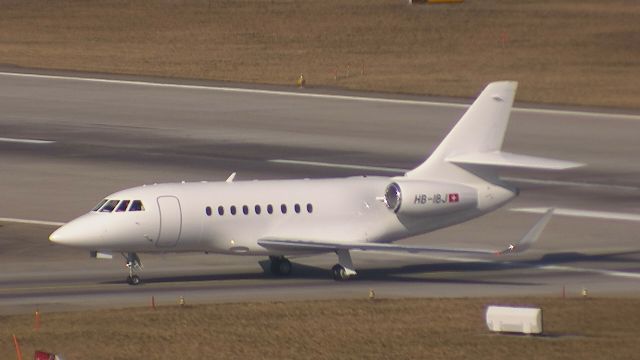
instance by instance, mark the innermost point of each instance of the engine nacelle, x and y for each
(415, 197)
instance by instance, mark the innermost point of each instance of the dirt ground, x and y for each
(347, 329)
(582, 52)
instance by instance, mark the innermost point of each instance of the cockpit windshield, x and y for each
(109, 205)
(97, 207)
(123, 206)
(136, 205)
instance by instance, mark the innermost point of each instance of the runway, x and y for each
(67, 142)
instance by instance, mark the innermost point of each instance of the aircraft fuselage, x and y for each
(229, 217)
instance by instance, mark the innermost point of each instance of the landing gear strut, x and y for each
(134, 264)
(280, 265)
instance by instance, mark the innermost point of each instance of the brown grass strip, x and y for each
(347, 329)
(583, 52)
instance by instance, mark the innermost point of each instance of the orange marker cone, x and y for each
(17, 345)
(36, 325)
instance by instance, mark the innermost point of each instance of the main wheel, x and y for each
(280, 266)
(339, 273)
(284, 267)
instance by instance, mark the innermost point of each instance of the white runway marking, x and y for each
(612, 273)
(26, 141)
(339, 166)
(583, 213)
(604, 272)
(319, 96)
(34, 222)
(399, 171)
(570, 183)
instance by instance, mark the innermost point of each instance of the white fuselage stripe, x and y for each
(583, 213)
(595, 115)
(26, 141)
(34, 222)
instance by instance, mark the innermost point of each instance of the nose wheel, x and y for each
(133, 280)
(134, 264)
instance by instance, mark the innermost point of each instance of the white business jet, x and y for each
(277, 218)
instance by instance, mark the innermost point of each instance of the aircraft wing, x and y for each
(301, 245)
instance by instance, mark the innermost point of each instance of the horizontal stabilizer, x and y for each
(297, 245)
(505, 159)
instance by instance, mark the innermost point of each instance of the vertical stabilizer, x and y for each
(480, 130)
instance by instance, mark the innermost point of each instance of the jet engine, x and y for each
(407, 197)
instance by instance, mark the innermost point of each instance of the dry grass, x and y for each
(346, 329)
(567, 51)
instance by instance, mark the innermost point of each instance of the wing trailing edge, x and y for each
(300, 245)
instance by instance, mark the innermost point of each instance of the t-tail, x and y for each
(472, 151)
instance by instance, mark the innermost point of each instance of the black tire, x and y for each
(339, 273)
(284, 267)
(275, 267)
(280, 266)
(134, 280)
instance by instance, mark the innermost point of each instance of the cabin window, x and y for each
(136, 205)
(207, 210)
(123, 206)
(245, 209)
(309, 208)
(257, 209)
(220, 210)
(97, 207)
(270, 209)
(283, 208)
(232, 209)
(110, 205)
(296, 207)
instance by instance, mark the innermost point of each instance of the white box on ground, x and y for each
(514, 319)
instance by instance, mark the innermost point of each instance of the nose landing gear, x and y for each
(133, 264)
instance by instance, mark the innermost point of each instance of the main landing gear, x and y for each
(280, 265)
(344, 269)
(134, 264)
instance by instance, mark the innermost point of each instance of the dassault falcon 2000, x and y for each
(278, 218)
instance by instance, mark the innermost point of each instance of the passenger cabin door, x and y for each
(170, 221)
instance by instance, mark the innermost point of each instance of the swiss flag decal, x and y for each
(453, 198)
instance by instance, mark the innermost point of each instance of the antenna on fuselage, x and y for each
(231, 177)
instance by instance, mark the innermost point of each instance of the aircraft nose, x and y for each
(65, 235)
(80, 232)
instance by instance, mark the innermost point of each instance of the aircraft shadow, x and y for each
(408, 273)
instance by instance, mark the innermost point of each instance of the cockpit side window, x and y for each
(97, 207)
(136, 205)
(109, 206)
(123, 206)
